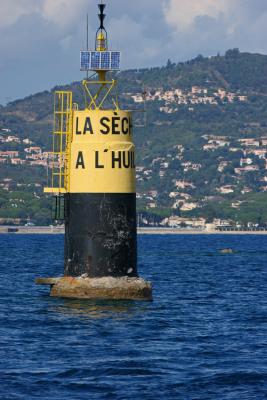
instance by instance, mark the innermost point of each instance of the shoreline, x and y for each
(55, 230)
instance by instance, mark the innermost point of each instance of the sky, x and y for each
(40, 40)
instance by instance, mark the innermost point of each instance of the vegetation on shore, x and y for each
(187, 125)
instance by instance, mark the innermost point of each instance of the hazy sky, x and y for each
(40, 40)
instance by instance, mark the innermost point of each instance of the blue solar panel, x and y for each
(115, 59)
(85, 60)
(105, 60)
(95, 60)
(100, 60)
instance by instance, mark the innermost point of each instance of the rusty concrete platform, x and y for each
(124, 288)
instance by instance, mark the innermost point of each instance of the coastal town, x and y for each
(242, 158)
(26, 153)
(172, 99)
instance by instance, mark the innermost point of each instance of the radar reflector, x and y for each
(100, 60)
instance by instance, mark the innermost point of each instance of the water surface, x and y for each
(203, 337)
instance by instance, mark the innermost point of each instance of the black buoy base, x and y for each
(100, 235)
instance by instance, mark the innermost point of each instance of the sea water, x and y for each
(203, 337)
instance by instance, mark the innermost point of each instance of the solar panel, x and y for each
(85, 60)
(115, 59)
(100, 60)
(95, 60)
(105, 60)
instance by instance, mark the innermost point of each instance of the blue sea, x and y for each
(203, 337)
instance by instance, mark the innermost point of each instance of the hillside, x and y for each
(202, 152)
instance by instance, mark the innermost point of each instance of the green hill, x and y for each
(189, 155)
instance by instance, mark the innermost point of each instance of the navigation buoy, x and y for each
(93, 182)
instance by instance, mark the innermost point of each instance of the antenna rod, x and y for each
(87, 40)
(87, 33)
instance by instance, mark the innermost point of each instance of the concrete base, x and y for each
(98, 288)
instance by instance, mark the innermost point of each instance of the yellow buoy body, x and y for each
(100, 215)
(102, 152)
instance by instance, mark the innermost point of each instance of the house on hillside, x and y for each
(9, 154)
(226, 189)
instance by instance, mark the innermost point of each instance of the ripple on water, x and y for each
(203, 337)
